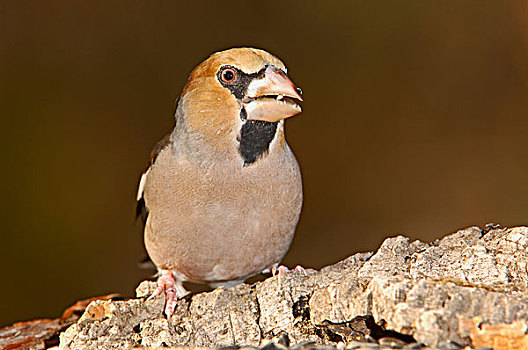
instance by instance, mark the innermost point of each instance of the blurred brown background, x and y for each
(415, 122)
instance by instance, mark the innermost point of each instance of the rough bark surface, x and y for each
(44, 333)
(467, 289)
(437, 294)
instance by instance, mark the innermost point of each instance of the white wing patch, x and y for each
(142, 182)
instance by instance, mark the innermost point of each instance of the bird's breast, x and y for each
(217, 222)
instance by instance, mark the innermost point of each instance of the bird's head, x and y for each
(236, 88)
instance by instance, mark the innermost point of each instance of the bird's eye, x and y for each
(228, 75)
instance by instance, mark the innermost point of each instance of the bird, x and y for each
(222, 194)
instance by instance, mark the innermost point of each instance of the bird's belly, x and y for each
(235, 246)
(219, 234)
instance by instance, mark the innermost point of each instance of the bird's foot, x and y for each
(280, 271)
(173, 288)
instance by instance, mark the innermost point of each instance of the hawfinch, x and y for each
(222, 194)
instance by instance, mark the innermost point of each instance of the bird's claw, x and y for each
(280, 271)
(300, 269)
(173, 288)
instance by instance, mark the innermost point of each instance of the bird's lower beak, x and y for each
(273, 97)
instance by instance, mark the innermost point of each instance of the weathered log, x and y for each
(467, 289)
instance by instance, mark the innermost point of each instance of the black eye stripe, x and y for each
(238, 86)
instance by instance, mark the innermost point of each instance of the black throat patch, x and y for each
(255, 138)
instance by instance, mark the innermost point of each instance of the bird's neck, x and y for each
(252, 142)
(237, 141)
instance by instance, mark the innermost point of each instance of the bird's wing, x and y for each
(141, 208)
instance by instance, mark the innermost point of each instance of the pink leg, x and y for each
(281, 270)
(173, 288)
(300, 269)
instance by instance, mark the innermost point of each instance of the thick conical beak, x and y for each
(273, 97)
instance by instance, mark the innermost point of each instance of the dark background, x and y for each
(415, 122)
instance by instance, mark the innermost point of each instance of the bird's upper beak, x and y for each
(273, 97)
